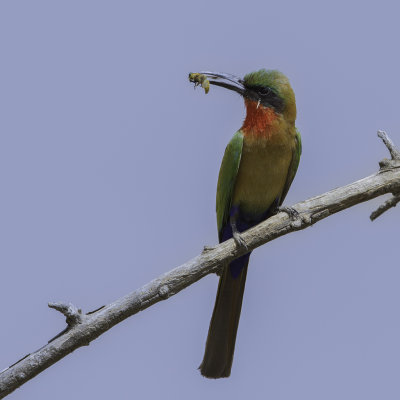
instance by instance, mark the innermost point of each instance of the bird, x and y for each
(258, 167)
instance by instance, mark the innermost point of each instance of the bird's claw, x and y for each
(293, 214)
(237, 237)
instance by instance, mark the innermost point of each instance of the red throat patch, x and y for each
(259, 120)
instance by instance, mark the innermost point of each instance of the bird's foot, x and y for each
(238, 238)
(293, 214)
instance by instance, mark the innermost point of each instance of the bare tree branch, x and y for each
(385, 163)
(394, 152)
(73, 314)
(83, 328)
(385, 206)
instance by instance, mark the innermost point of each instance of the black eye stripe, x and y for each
(266, 95)
(264, 91)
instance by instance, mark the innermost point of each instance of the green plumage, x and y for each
(229, 170)
(227, 177)
(293, 166)
(258, 167)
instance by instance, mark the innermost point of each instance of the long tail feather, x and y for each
(220, 346)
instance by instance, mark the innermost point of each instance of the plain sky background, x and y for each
(108, 169)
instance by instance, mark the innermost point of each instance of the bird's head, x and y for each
(267, 88)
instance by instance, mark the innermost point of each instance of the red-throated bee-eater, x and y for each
(257, 170)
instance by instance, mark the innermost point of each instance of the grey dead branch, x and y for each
(83, 328)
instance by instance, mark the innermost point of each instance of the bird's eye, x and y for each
(264, 91)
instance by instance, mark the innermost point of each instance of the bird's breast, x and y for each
(263, 170)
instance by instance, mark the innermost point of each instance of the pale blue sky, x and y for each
(109, 161)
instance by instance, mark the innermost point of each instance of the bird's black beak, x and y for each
(227, 81)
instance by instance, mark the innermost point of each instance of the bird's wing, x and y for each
(294, 164)
(227, 178)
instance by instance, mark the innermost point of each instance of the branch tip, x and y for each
(394, 152)
(388, 204)
(386, 164)
(72, 314)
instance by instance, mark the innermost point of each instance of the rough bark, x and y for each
(83, 328)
